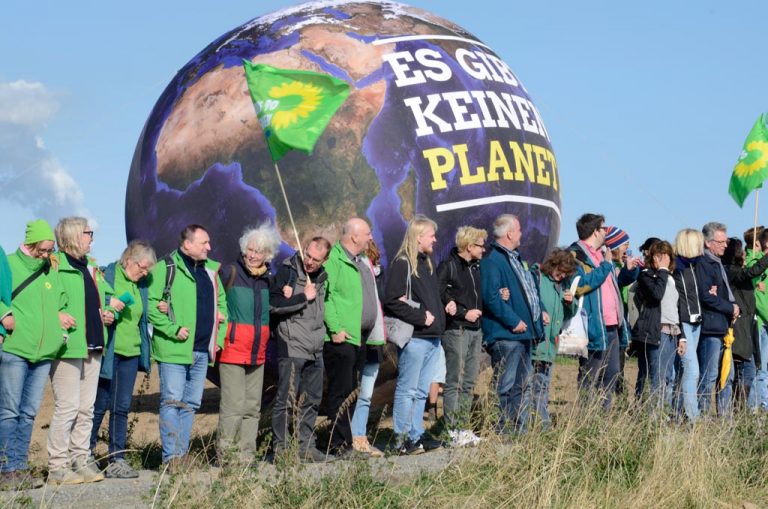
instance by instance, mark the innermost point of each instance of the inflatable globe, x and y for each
(436, 124)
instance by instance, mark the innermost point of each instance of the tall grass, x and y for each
(625, 458)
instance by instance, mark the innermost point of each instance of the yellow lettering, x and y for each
(542, 175)
(441, 161)
(466, 177)
(523, 163)
(555, 177)
(498, 161)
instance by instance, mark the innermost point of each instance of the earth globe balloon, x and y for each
(436, 123)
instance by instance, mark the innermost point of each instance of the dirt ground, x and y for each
(145, 428)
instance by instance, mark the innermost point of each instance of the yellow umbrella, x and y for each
(725, 368)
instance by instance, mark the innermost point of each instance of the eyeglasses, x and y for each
(481, 246)
(144, 268)
(44, 251)
(88, 232)
(603, 228)
(720, 241)
(309, 258)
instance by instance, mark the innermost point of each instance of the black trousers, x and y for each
(341, 368)
(299, 388)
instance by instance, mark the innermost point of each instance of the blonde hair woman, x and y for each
(412, 270)
(75, 372)
(689, 247)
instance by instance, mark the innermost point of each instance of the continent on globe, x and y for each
(436, 123)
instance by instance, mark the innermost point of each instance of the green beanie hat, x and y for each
(38, 231)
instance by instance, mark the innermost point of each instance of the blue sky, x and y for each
(647, 104)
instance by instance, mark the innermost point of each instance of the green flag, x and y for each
(293, 107)
(752, 168)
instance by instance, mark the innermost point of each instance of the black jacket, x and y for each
(459, 281)
(651, 286)
(424, 290)
(687, 288)
(747, 341)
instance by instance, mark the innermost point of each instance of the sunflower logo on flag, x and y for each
(297, 101)
(752, 159)
(293, 106)
(752, 167)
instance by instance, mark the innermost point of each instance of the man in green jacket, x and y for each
(5, 296)
(188, 313)
(33, 322)
(351, 313)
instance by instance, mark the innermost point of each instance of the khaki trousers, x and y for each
(74, 383)
(239, 409)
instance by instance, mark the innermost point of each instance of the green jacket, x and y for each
(76, 346)
(761, 298)
(5, 289)
(38, 334)
(165, 346)
(551, 295)
(344, 299)
(127, 334)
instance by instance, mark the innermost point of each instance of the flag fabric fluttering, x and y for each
(752, 168)
(294, 107)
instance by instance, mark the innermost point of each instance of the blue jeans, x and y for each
(743, 380)
(21, 391)
(710, 353)
(657, 363)
(758, 394)
(115, 395)
(542, 377)
(363, 405)
(689, 376)
(415, 371)
(512, 368)
(181, 391)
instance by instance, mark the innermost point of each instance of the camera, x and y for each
(696, 318)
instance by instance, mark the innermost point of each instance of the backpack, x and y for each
(634, 305)
(170, 274)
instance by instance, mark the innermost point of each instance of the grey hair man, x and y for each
(718, 310)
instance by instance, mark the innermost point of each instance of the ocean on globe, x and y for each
(435, 124)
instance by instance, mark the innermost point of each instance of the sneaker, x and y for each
(65, 476)
(87, 468)
(430, 444)
(410, 448)
(120, 469)
(361, 445)
(315, 455)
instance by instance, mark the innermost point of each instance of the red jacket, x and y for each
(248, 312)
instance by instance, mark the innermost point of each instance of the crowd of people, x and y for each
(330, 311)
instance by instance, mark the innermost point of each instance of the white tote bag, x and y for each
(573, 339)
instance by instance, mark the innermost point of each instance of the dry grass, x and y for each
(624, 458)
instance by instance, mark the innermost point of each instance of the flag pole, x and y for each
(290, 215)
(754, 229)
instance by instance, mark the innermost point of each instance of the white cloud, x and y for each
(30, 175)
(26, 103)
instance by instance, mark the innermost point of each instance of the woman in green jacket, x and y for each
(75, 372)
(126, 353)
(33, 322)
(558, 301)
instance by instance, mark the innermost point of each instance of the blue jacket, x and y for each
(590, 282)
(145, 358)
(716, 310)
(499, 316)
